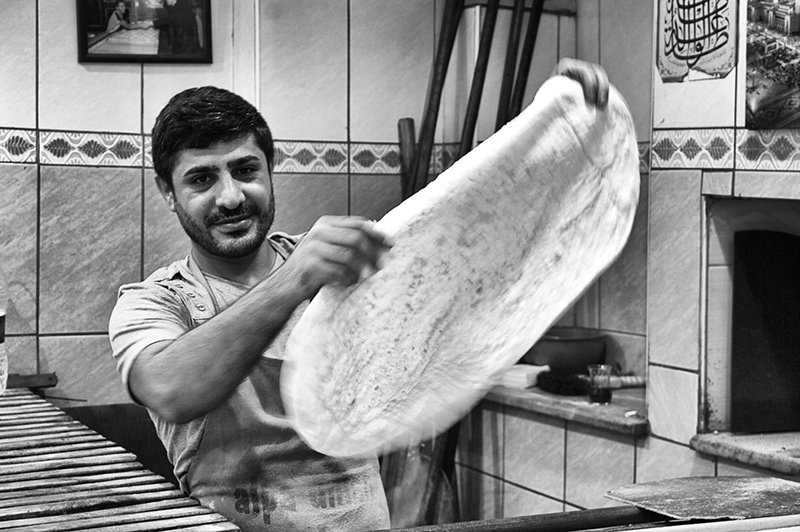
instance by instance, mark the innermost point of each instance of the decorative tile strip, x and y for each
(148, 151)
(109, 149)
(644, 157)
(17, 145)
(374, 158)
(777, 149)
(89, 149)
(311, 157)
(444, 155)
(693, 148)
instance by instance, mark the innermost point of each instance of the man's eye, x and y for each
(244, 171)
(201, 179)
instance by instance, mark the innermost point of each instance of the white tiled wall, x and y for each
(673, 265)
(82, 97)
(304, 80)
(672, 403)
(658, 459)
(699, 104)
(393, 85)
(596, 461)
(528, 439)
(625, 52)
(17, 71)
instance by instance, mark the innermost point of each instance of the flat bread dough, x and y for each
(486, 258)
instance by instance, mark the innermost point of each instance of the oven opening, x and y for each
(765, 332)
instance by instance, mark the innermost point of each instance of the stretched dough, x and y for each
(486, 258)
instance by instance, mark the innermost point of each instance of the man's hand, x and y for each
(592, 77)
(336, 250)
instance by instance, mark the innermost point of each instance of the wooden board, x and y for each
(713, 497)
(56, 474)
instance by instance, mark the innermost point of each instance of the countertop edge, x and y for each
(625, 413)
(777, 452)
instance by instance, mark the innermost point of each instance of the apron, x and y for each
(252, 467)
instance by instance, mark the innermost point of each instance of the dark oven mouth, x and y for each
(753, 305)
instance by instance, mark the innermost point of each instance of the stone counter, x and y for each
(625, 414)
(779, 451)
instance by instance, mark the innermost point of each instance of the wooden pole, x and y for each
(407, 135)
(507, 83)
(525, 59)
(479, 77)
(447, 37)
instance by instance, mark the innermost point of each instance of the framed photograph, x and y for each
(144, 31)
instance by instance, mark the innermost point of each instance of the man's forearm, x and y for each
(188, 377)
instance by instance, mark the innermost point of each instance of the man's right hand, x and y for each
(185, 378)
(337, 250)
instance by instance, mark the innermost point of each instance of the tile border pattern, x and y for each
(692, 148)
(75, 148)
(777, 149)
(17, 146)
(726, 149)
(80, 148)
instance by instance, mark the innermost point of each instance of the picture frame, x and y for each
(144, 31)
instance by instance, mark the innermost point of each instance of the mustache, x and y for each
(223, 214)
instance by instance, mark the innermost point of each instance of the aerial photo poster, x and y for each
(773, 65)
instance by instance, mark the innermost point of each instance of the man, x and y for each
(212, 388)
(199, 342)
(179, 28)
(117, 20)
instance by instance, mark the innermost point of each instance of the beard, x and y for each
(237, 245)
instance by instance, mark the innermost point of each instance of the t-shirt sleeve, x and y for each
(145, 313)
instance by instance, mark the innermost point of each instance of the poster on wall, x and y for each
(773, 65)
(144, 31)
(696, 36)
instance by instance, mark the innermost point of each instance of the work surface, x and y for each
(58, 475)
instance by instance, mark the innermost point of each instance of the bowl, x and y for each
(567, 349)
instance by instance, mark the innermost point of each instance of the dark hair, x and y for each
(201, 117)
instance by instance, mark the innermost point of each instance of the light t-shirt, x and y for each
(244, 459)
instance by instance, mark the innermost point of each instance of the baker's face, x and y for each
(223, 197)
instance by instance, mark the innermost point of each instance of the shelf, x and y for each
(625, 414)
(778, 451)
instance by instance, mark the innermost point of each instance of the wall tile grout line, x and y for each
(38, 237)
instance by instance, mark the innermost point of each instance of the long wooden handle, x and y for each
(406, 135)
(479, 77)
(526, 55)
(507, 83)
(447, 37)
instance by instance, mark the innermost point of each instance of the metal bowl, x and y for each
(567, 349)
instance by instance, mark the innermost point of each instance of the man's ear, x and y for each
(166, 192)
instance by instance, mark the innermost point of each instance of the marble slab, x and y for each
(625, 414)
(778, 451)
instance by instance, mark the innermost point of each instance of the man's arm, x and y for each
(190, 376)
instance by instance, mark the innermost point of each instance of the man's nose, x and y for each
(230, 194)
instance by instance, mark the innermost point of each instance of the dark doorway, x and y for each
(765, 348)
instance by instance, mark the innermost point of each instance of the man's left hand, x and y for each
(592, 77)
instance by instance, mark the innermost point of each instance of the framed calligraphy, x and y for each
(698, 35)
